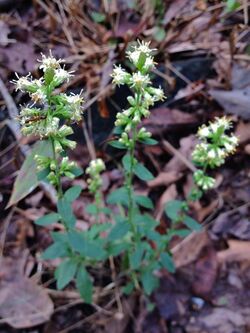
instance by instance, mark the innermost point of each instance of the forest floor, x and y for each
(203, 54)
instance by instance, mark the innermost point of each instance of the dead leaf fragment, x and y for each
(205, 272)
(237, 251)
(165, 179)
(220, 320)
(235, 101)
(168, 195)
(164, 118)
(188, 250)
(23, 304)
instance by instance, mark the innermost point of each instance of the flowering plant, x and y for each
(215, 145)
(130, 234)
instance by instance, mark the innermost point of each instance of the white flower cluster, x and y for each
(44, 121)
(94, 171)
(144, 94)
(214, 147)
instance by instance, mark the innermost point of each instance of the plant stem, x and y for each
(98, 204)
(129, 181)
(57, 171)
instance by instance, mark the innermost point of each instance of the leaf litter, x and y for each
(93, 37)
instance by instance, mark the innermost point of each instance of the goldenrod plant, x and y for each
(131, 234)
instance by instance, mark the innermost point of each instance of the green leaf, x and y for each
(142, 172)
(56, 250)
(191, 223)
(116, 249)
(49, 75)
(84, 284)
(173, 209)
(65, 210)
(141, 60)
(106, 210)
(42, 175)
(154, 236)
(48, 219)
(145, 221)
(91, 209)
(127, 290)
(119, 196)
(167, 262)
(73, 193)
(149, 281)
(118, 231)
(26, 180)
(126, 162)
(159, 34)
(59, 237)
(143, 201)
(135, 257)
(77, 171)
(65, 272)
(85, 247)
(232, 5)
(117, 144)
(98, 17)
(118, 130)
(149, 141)
(180, 232)
(96, 229)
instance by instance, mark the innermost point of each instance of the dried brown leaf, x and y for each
(188, 250)
(236, 101)
(163, 118)
(23, 304)
(237, 251)
(165, 179)
(205, 272)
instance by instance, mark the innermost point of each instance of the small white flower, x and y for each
(229, 147)
(149, 63)
(49, 62)
(203, 181)
(223, 122)
(23, 82)
(52, 126)
(75, 104)
(138, 50)
(39, 96)
(203, 132)
(234, 140)
(76, 100)
(26, 83)
(134, 56)
(144, 47)
(158, 94)
(148, 99)
(119, 75)
(139, 80)
(211, 154)
(61, 75)
(214, 127)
